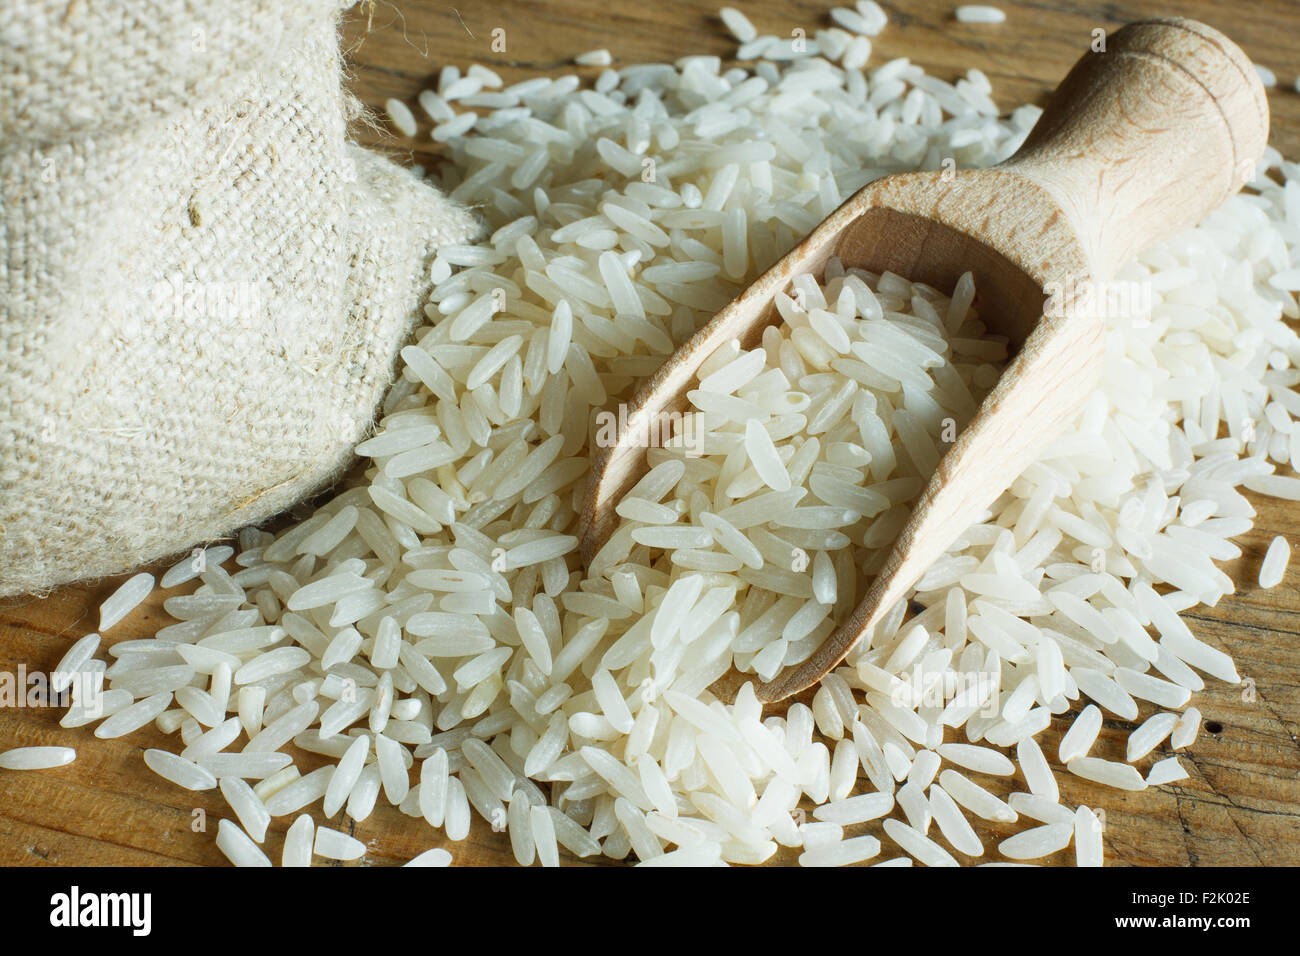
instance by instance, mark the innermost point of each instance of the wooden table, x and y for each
(1242, 803)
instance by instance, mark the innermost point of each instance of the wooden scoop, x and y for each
(1139, 141)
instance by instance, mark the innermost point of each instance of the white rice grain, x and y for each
(977, 13)
(1037, 842)
(1078, 740)
(594, 58)
(298, 841)
(129, 595)
(1186, 730)
(36, 758)
(1087, 838)
(237, 847)
(76, 657)
(333, 845)
(400, 115)
(738, 24)
(1165, 771)
(248, 807)
(1107, 772)
(433, 857)
(134, 717)
(1273, 567)
(178, 770)
(922, 848)
(1149, 736)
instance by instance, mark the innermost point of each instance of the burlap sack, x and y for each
(204, 284)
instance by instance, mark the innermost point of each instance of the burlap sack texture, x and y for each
(204, 285)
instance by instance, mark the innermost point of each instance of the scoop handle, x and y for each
(1154, 127)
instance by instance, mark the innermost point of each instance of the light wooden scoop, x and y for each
(1139, 141)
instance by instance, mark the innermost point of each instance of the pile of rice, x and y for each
(432, 630)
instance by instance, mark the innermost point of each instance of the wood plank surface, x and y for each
(1242, 803)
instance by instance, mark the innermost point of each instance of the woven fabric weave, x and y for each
(205, 285)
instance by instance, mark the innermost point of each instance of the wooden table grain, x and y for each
(1241, 805)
